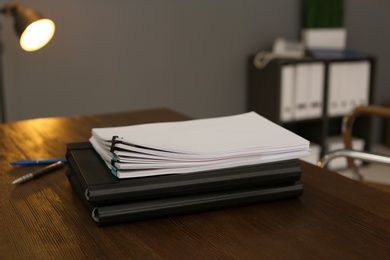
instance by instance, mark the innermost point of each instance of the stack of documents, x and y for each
(195, 145)
(155, 170)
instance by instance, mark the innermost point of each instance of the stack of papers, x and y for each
(195, 145)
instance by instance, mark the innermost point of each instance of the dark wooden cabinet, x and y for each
(345, 83)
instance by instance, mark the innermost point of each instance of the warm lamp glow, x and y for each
(37, 35)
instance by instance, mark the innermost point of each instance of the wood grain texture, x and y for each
(42, 219)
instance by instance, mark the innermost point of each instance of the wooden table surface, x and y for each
(44, 219)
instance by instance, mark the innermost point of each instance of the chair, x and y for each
(347, 127)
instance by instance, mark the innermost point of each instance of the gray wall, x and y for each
(368, 24)
(186, 55)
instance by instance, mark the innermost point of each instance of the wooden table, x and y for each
(334, 218)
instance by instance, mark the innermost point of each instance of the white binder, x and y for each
(302, 91)
(335, 75)
(348, 86)
(362, 82)
(302, 71)
(316, 89)
(287, 93)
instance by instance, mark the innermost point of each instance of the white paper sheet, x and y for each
(207, 136)
(197, 145)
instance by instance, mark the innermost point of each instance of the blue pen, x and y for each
(39, 162)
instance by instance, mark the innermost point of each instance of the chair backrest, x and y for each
(348, 122)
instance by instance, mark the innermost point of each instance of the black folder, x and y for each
(111, 200)
(100, 187)
(171, 206)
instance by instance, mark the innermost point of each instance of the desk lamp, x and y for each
(34, 32)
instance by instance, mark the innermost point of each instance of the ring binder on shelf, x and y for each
(337, 83)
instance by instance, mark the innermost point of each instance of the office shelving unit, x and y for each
(264, 95)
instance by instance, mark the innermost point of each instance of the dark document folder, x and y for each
(113, 200)
(101, 187)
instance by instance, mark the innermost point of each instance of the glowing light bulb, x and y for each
(37, 35)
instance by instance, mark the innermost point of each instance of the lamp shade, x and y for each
(34, 30)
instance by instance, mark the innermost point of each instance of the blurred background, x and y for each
(190, 56)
